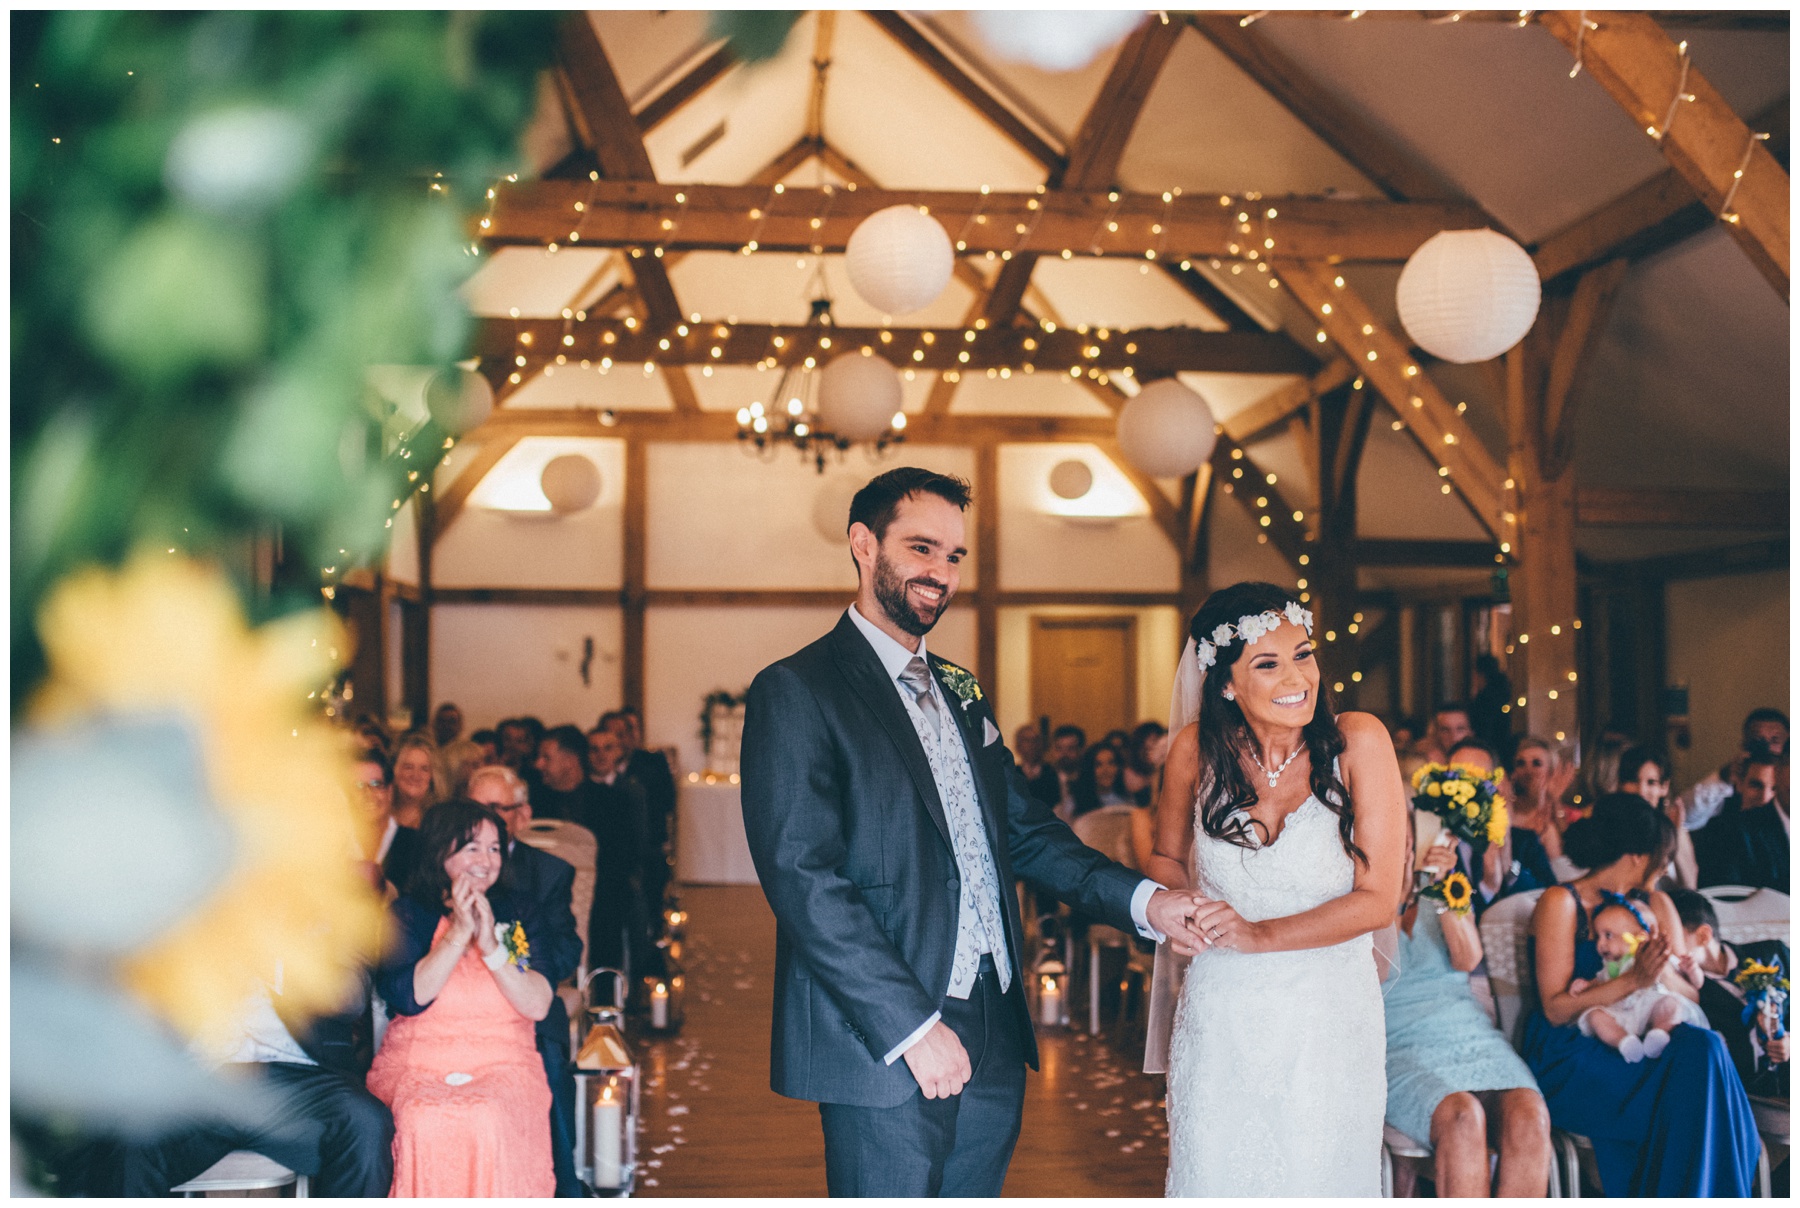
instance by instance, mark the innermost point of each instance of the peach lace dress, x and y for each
(470, 1101)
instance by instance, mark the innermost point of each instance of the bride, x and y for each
(1288, 824)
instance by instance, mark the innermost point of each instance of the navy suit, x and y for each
(549, 882)
(1743, 847)
(852, 845)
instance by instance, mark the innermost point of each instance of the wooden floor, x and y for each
(1093, 1122)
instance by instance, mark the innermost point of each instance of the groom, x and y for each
(888, 823)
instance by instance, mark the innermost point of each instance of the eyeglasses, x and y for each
(373, 784)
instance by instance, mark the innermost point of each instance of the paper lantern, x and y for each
(858, 396)
(1071, 479)
(571, 483)
(1057, 40)
(459, 400)
(1468, 296)
(1167, 430)
(899, 259)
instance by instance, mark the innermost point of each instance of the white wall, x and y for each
(488, 548)
(718, 518)
(500, 660)
(1728, 641)
(1039, 552)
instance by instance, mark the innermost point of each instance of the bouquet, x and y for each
(1467, 799)
(1454, 891)
(1765, 990)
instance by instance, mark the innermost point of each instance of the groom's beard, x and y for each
(890, 593)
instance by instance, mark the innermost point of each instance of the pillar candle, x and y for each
(659, 1006)
(608, 1139)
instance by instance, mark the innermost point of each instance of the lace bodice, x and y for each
(1306, 866)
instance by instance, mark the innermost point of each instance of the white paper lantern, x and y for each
(1167, 430)
(858, 396)
(459, 400)
(899, 259)
(571, 483)
(1468, 296)
(1056, 40)
(1071, 479)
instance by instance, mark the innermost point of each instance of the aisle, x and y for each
(713, 1127)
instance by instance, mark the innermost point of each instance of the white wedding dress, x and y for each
(1277, 1061)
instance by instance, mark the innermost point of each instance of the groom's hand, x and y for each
(1171, 912)
(939, 1062)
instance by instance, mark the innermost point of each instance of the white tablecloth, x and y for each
(710, 844)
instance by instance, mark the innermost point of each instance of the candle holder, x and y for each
(1050, 975)
(608, 1087)
(665, 991)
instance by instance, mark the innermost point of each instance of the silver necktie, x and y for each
(917, 677)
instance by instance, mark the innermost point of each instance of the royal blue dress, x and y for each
(1678, 1125)
(1439, 1040)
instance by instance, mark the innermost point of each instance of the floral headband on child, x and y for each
(1251, 628)
(1609, 898)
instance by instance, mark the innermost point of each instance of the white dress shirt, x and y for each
(894, 660)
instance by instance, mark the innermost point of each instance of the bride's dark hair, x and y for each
(1224, 735)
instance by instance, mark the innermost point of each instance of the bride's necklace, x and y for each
(1275, 776)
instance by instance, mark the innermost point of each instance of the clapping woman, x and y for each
(459, 1065)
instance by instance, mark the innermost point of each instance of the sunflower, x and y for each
(1458, 893)
(164, 635)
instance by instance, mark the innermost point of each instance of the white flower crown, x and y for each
(1251, 628)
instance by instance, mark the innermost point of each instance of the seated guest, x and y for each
(548, 883)
(1144, 760)
(1764, 729)
(446, 724)
(1540, 777)
(1453, 1080)
(1101, 781)
(651, 771)
(1450, 724)
(459, 1066)
(1040, 777)
(1067, 744)
(371, 735)
(1599, 771)
(1760, 1056)
(1644, 772)
(1747, 844)
(489, 742)
(1493, 872)
(324, 1125)
(618, 816)
(457, 761)
(563, 789)
(417, 780)
(1677, 1126)
(396, 847)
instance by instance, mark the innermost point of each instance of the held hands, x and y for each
(1438, 860)
(471, 917)
(1220, 926)
(1171, 911)
(939, 1062)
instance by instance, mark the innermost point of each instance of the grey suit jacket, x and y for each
(853, 850)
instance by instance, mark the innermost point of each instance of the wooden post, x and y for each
(987, 558)
(1543, 593)
(633, 598)
(1339, 429)
(425, 514)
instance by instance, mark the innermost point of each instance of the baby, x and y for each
(1618, 930)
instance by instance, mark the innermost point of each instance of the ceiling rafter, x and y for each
(1276, 406)
(1655, 508)
(632, 213)
(1097, 147)
(601, 110)
(1642, 69)
(496, 443)
(1585, 318)
(722, 427)
(1387, 362)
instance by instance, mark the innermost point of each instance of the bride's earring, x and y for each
(1230, 695)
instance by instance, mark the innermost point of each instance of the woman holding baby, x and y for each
(1675, 1123)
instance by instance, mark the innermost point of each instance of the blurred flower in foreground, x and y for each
(162, 641)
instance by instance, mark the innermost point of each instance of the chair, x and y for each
(574, 843)
(1396, 1144)
(1746, 916)
(243, 1170)
(1107, 830)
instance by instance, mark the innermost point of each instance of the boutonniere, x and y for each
(518, 948)
(961, 682)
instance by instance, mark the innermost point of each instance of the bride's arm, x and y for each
(1174, 820)
(1372, 775)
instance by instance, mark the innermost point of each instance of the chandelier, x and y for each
(818, 411)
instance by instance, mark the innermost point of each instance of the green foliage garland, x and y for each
(718, 697)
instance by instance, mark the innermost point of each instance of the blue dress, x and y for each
(1439, 1040)
(1679, 1125)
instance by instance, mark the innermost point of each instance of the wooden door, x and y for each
(1084, 672)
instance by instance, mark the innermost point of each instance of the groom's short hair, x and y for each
(876, 504)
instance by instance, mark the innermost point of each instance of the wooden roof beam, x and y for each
(1635, 507)
(1157, 351)
(605, 119)
(721, 426)
(631, 214)
(1275, 407)
(1388, 364)
(1630, 56)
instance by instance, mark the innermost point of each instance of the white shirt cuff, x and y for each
(899, 1050)
(1140, 906)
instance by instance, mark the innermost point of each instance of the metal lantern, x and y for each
(607, 1088)
(665, 991)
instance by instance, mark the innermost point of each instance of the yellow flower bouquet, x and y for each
(1466, 798)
